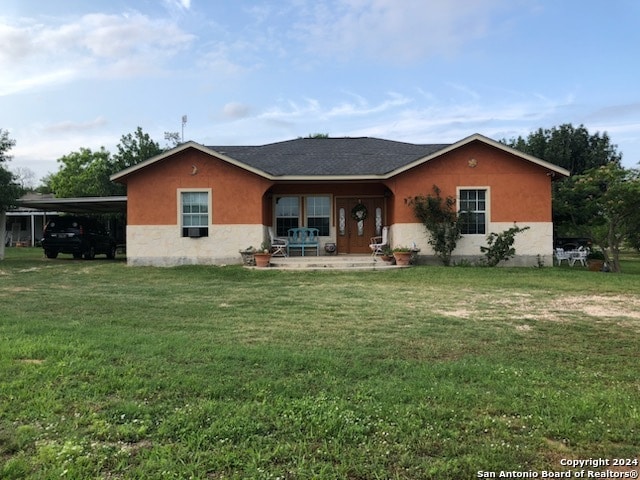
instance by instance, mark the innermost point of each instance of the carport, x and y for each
(81, 205)
(28, 220)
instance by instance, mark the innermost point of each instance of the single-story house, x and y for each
(199, 204)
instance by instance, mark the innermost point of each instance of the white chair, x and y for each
(579, 255)
(379, 242)
(561, 255)
(278, 245)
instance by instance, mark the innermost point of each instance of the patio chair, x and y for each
(379, 242)
(561, 255)
(579, 255)
(278, 245)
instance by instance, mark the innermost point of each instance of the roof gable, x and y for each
(333, 158)
(488, 141)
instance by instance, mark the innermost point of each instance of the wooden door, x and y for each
(354, 236)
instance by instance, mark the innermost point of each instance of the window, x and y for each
(378, 221)
(318, 214)
(473, 207)
(291, 214)
(195, 214)
(287, 214)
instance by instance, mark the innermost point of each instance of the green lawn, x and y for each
(109, 371)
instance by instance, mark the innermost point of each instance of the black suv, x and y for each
(80, 236)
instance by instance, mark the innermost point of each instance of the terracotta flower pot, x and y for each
(402, 258)
(595, 265)
(262, 259)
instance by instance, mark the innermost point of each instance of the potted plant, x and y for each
(387, 254)
(248, 256)
(402, 255)
(263, 256)
(595, 261)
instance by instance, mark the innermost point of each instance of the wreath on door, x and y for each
(359, 212)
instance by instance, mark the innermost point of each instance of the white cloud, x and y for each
(40, 152)
(11, 82)
(94, 45)
(235, 110)
(312, 108)
(69, 126)
(396, 30)
(223, 58)
(423, 119)
(178, 4)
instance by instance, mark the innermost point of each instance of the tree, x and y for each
(603, 204)
(173, 138)
(26, 178)
(9, 189)
(566, 146)
(317, 135)
(84, 173)
(133, 149)
(440, 219)
(576, 150)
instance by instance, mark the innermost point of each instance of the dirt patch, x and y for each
(29, 270)
(557, 309)
(17, 289)
(460, 313)
(601, 306)
(31, 361)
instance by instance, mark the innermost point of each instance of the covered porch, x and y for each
(345, 215)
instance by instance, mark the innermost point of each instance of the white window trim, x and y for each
(487, 209)
(275, 206)
(179, 193)
(306, 211)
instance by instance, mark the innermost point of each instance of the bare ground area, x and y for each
(560, 309)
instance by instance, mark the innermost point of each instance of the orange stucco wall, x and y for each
(152, 198)
(520, 191)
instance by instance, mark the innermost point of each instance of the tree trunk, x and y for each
(613, 260)
(3, 232)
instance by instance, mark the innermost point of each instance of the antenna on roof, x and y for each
(184, 121)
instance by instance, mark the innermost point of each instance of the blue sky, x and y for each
(75, 73)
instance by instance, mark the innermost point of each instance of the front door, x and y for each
(358, 219)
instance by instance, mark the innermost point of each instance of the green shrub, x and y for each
(441, 221)
(501, 245)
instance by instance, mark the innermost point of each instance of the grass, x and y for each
(108, 371)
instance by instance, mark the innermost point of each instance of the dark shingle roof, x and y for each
(309, 158)
(329, 156)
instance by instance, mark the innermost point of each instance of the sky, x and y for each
(81, 74)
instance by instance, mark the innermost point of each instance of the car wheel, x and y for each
(51, 254)
(77, 256)
(90, 254)
(111, 253)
